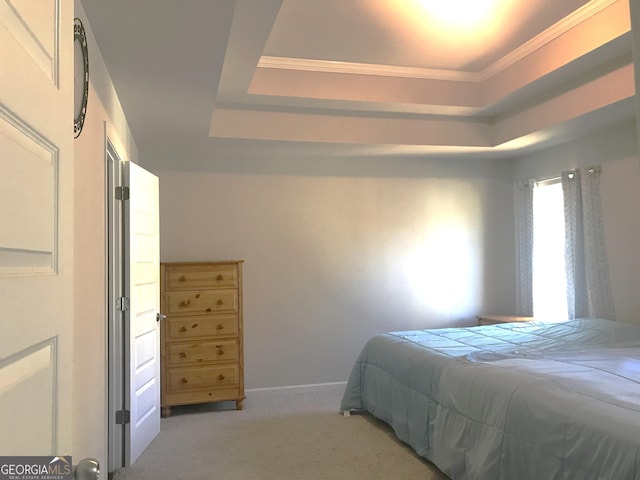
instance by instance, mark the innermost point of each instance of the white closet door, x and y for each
(142, 264)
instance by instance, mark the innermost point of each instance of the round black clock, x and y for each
(80, 77)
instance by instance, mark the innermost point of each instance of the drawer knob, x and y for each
(183, 354)
(220, 351)
(183, 329)
(220, 327)
(185, 303)
(182, 278)
(220, 302)
(184, 380)
(219, 277)
(221, 377)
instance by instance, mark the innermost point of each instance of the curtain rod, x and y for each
(557, 178)
(548, 181)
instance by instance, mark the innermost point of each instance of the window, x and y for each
(549, 275)
(562, 272)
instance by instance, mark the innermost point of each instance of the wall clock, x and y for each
(80, 76)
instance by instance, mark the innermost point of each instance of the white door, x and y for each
(142, 281)
(36, 227)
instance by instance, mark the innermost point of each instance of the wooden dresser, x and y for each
(201, 338)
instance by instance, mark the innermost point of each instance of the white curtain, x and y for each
(587, 272)
(524, 247)
(588, 286)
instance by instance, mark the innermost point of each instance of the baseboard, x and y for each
(295, 389)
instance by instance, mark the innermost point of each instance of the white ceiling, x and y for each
(379, 32)
(362, 77)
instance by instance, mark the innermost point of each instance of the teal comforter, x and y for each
(512, 401)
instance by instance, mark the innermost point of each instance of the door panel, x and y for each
(34, 29)
(142, 263)
(36, 227)
(29, 374)
(29, 246)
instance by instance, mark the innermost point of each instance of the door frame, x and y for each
(115, 288)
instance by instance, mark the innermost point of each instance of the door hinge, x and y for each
(122, 304)
(122, 193)
(123, 417)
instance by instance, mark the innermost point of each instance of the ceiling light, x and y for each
(457, 13)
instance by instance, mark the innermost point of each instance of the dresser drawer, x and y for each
(194, 277)
(202, 301)
(186, 353)
(196, 326)
(194, 378)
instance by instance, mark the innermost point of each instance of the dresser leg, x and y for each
(165, 412)
(239, 404)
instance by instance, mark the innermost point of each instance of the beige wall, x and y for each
(90, 341)
(615, 150)
(635, 31)
(338, 250)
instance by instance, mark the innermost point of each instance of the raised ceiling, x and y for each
(489, 78)
(411, 33)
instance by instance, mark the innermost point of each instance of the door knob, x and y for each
(87, 469)
(160, 316)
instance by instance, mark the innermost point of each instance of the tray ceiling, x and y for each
(366, 76)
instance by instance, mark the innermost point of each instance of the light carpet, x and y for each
(297, 436)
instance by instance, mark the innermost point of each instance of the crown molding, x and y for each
(547, 36)
(310, 65)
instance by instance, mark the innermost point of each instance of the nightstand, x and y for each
(493, 319)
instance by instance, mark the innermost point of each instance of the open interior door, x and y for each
(36, 228)
(142, 331)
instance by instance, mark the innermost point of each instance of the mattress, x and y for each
(509, 401)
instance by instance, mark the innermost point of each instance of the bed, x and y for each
(509, 401)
